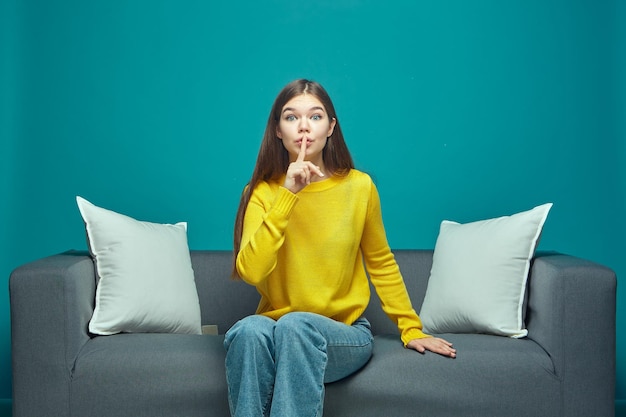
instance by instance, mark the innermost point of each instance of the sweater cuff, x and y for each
(285, 201)
(413, 334)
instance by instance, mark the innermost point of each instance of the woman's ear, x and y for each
(278, 134)
(331, 129)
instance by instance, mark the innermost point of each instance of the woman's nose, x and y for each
(304, 125)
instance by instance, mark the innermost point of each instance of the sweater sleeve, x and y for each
(385, 273)
(265, 221)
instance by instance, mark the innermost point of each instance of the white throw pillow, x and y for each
(146, 282)
(478, 278)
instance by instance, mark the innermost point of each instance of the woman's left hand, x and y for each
(433, 344)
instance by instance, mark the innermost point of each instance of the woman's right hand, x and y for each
(301, 172)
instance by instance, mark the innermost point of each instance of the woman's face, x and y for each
(304, 118)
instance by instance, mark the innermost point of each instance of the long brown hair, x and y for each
(273, 159)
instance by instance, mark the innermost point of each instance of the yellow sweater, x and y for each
(308, 252)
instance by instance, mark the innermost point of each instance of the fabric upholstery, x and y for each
(60, 369)
(487, 370)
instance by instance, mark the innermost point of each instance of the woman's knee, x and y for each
(299, 326)
(252, 328)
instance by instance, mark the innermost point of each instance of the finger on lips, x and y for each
(302, 153)
(304, 170)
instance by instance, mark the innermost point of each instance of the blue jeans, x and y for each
(278, 368)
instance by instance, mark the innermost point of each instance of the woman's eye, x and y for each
(290, 118)
(316, 117)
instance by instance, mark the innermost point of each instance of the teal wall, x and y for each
(460, 110)
(8, 140)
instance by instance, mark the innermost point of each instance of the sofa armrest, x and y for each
(52, 301)
(571, 314)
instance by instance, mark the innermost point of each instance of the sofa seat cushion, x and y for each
(171, 374)
(150, 375)
(487, 369)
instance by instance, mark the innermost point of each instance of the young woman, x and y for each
(308, 227)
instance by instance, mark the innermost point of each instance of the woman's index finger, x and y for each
(302, 153)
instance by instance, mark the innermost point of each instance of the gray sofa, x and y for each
(565, 367)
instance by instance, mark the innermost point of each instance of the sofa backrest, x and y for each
(223, 300)
(415, 267)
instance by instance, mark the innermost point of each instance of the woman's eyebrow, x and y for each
(315, 108)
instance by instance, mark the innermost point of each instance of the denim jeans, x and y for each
(278, 368)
